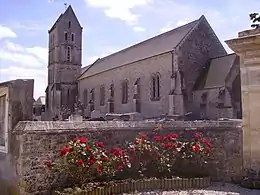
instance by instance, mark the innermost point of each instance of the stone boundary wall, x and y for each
(39, 141)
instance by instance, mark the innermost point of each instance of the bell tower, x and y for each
(64, 63)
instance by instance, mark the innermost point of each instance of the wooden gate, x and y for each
(3, 119)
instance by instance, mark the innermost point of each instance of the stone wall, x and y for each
(211, 110)
(142, 69)
(194, 53)
(39, 141)
(20, 107)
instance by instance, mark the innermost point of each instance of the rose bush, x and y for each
(193, 155)
(149, 155)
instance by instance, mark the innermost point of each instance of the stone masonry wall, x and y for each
(142, 69)
(40, 141)
(194, 53)
(211, 111)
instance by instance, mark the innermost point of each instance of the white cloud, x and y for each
(120, 9)
(34, 57)
(138, 29)
(102, 51)
(6, 32)
(226, 21)
(181, 22)
(39, 76)
(20, 62)
(14, 47)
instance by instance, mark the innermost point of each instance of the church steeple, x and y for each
(65, 56)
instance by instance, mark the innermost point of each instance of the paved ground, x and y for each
(215, 189)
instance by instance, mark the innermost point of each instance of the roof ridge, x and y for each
(61, 15)
(221, 56)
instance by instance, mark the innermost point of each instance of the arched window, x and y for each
(92, 101)
(155, 88)
(68, 53)
(72, 37)
(125, 92)
(102, 95)
(69, 24)
(66, 36)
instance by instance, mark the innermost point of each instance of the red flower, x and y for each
(80, 162)
(100, 167)
(105, 159)
(92, 156)
(48, 164)
(142, 135)
(168, 145)
(144, 142)
(88, 148)
(65, 151)
(157, 138)
(131, 150)
(100, 144)
(120, 168)
(137, 141)
(118, 152)
(99, 171)
(207, 142)
(83, 140)
(75, 139)
(196, 148)
(208, 150)
(91, 161)
(175, 135)
(197, 135)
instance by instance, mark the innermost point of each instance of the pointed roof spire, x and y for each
(68, 8)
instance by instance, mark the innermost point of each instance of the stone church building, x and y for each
(185, 70)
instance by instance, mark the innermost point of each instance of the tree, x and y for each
(255, 18)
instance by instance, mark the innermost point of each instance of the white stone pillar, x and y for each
(247, 46)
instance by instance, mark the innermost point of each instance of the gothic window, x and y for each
(125, 92)
(68, 53)
(112, 90)
(92, 95)
(102, 95)
(72, 37)
(85, 97)
(66, 36)
(69, 24)
(137, 89)
(155, 88)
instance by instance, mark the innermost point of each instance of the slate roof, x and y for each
(40, 101)
(83, 69)
(216, 72)
(61, 16)
(157, 45)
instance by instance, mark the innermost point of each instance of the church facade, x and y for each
(166, 74)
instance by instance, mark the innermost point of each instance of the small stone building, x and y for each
(161, 75)
(39, 108)
(217, 91)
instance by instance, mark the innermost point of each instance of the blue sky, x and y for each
(108, 26)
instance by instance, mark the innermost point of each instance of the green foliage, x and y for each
(255, 18)
(147, 156)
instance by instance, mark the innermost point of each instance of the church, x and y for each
(184, 70)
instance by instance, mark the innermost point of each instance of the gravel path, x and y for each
(215, 189)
